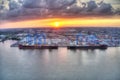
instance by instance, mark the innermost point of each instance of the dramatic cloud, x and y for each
(49, 4)
(34, 3)
(91, 5)
(104, 8)
(43, 8)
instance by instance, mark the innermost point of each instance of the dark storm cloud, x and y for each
(104, 8)
(33, 3)
(19, 8)
(59, 4)
(91, 5)
(49, 4)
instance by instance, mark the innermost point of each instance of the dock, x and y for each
(43, 41)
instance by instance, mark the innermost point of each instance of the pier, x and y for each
(77, 41)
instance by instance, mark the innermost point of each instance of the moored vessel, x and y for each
(37, 47)
(88, 47)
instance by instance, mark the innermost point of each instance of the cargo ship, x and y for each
(88, 47)
(56, 47)
(37, 47)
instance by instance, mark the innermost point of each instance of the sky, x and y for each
(59, 13)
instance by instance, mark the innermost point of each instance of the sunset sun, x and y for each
(56, 24)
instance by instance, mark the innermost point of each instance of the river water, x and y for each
(61, 64)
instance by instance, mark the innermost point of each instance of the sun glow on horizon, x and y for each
(60, 22)
(56, 24)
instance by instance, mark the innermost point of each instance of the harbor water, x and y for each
(59, 64)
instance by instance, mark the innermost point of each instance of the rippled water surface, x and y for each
(61, 64)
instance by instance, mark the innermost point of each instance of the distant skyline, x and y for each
(89, 12)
